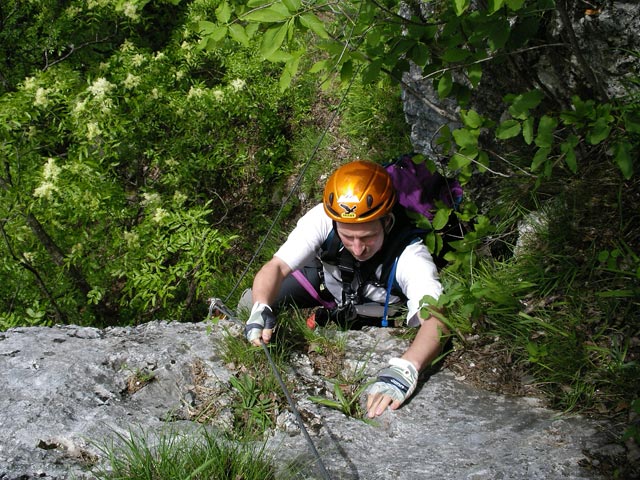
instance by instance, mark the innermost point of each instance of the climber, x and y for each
(334, 259)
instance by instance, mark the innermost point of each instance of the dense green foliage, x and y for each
(122, 159)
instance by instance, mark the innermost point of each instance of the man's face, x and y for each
(362, 240)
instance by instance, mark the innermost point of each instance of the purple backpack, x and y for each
(418, 188)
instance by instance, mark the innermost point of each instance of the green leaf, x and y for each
(459, 161)
(419, 53)
(524, 102)
(470, 151)
(312, 22)
(459, 6)
(252, 29)
(455, 54)
(289, 71)
(441, 218)
(280, 56)
(508, 129)
(430, 241)
(623, 158)
(205, 27)
(292, 5)
(276, 12)
(471, 118)
(527, 130)
(495, 5)
(600, 130)
(237, 33)
(514, 5)
(465, 137)
(223, 12)
(498, 33)
(632, 122)
(474, 73)
(212, 35)
(483, 161)
(272, 40)
(546, 127)
(445, 84)
(319, 66)
(371, 72)
(539, 158)
(346, 71)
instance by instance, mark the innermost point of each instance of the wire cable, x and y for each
(293, 188)
(219, 305)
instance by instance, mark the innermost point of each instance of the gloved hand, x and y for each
(397, 381)
(261, 318)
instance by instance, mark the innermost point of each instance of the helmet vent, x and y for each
(331, 196)
(369, 200)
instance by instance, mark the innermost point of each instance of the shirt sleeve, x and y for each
(304, 241)
(417, 276)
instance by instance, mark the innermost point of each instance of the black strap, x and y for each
(333, 253)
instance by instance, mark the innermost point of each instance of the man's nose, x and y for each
(358, 247)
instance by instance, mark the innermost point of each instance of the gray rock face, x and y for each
(68, 389)
(591, 53)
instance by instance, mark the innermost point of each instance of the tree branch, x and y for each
(72, 51)
(30, 268)
(586, 68)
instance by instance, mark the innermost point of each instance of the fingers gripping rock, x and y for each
(261, 318)
(398, 380)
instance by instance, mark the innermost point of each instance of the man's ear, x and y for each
(388, 222)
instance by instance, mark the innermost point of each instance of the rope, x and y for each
(293, 189)
(216, 303)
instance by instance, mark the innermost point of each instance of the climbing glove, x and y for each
(398, 380)
(261, 318)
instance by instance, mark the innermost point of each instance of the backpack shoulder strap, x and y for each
(333, 252)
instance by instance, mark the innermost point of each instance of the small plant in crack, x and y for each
(138, 379)
(347, 390)
(256, 408)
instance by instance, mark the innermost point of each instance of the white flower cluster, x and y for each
(101, 87)
(48, 187)
(132, 239)
(130, 10)
(137, 60)
(29, 83)
(41, 99)
(132, 81)
(179, 198)
(160, 214)
(152, 198)
(238, 84)
(195, 92)
(93, 130)
(51, 170)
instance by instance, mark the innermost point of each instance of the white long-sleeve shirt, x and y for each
(416, 273)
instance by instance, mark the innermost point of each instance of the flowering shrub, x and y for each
(117, 171)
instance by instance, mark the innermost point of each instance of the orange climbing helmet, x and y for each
(358, 192)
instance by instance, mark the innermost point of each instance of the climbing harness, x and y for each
(216, 303)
